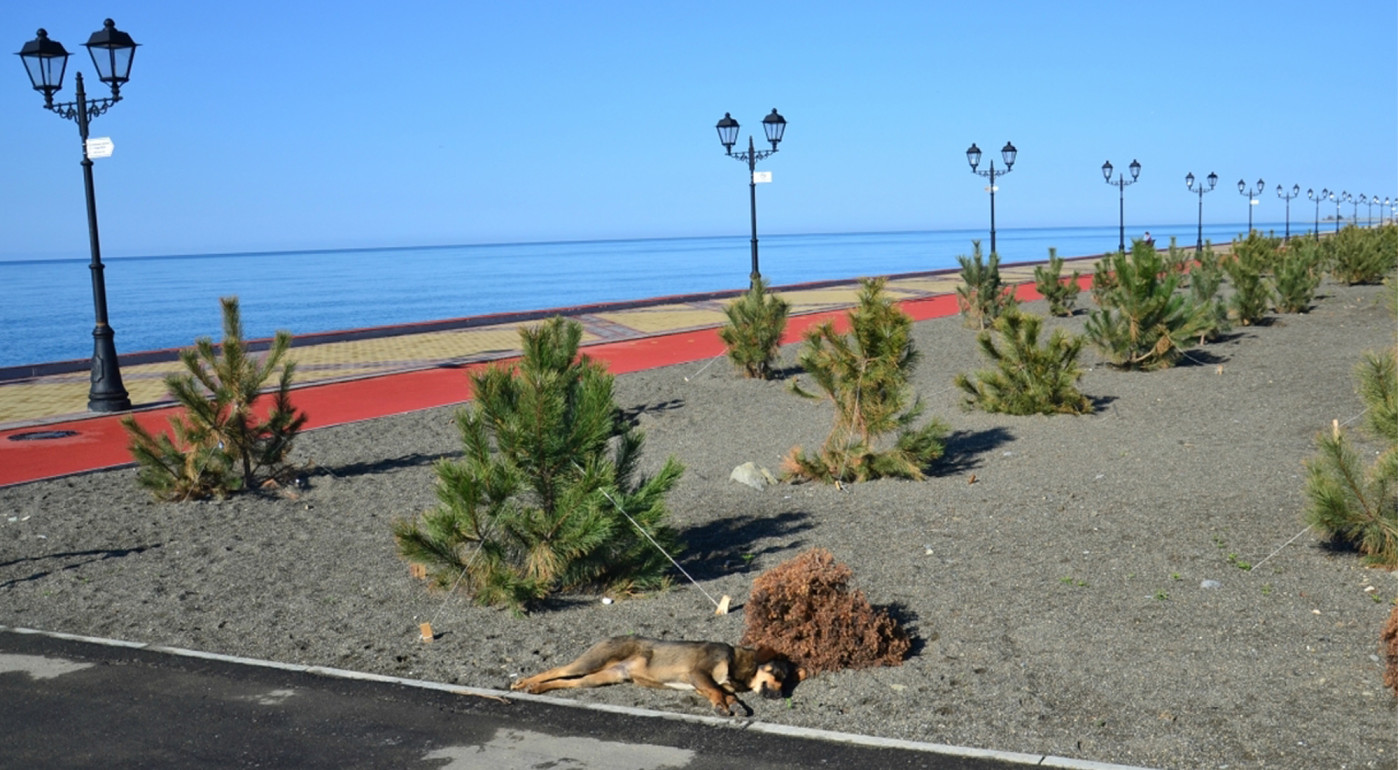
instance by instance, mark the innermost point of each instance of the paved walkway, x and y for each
(45, 430)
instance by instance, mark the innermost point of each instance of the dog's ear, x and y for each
(765, 653)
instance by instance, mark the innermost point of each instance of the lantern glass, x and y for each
(773, 127)
(45, 60)
(112, 52)
(728, 129)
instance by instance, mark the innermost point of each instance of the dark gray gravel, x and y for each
(1057, 601)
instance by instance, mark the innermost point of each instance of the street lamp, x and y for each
(1374, 200)
(1317, 203)
(1246, 191)
(45, 60)
(773, 127)
(1134, 168)
(1287, 208)
(1337, 216)
(1355, 202)
(1008, 156)
(1200, 191)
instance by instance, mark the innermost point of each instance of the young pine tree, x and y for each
(1346, 501)
(222, 442)
(1029, 378)
(1205, 278)
(1143, 322)
(866, 376)
(544, 497)
(755, 330)
(1297, 276)
(1249, 261)
(982, 296)
(1056, 290)
(1362, 255)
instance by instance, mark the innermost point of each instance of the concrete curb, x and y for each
(870, 741)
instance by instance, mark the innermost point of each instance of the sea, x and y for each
(163, 302)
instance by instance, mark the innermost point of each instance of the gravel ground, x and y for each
(1059, 601)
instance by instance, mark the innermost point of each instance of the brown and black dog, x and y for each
(713, 669)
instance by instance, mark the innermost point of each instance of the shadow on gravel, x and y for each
(379, 466)
(908, 620)
(726, 546)
(87, 557)
(963, 449)
(631, 415)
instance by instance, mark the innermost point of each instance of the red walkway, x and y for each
(99, 442)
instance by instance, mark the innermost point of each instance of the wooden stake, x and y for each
(425, 632)
(723, 608)
(418, 570)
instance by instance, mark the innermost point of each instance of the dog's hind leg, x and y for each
(544, 683)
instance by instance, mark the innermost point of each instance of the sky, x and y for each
(298, 125)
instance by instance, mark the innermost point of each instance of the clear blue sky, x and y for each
(261, 126)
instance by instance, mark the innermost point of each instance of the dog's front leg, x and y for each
(726, 703)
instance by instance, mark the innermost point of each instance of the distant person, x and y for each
(1147, 238)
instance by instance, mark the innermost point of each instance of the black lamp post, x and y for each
(1134, 168)
(1374, 200)
(1287, 207)
(1200, 190)
(1317, 204)
(1246, 191)
(1355, 202)
(1008, 156)
(1337, 216)
(112, 51)
(773, 127)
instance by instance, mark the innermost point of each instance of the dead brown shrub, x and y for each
(805, 609)
(1388, 650)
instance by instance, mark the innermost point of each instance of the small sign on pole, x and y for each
(760, 177)
(99, 147)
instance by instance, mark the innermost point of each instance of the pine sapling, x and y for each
(1205, 279)
(755, 330)
(222, 442)
(1029, 378)
(1297, 276)
(1143, 322)
(1362, 255)
(982, 296)
(1056, 290)
(545, 497)
(1347, 501)
(865, 374)
(1247, 264)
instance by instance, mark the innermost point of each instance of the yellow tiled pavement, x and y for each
(38, 400)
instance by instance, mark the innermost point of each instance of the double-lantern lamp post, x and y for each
(45, 60)
(1338, 198)
(1250, 192)
(1355, 202)
(1134, 169)
(1200, 190)
(1317, 209)
(1008, 156)
(773, 127)
(1374, 200)
(1287, 207)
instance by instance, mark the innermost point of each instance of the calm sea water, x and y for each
(166, 302)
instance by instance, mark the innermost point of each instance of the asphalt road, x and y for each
(67, 703)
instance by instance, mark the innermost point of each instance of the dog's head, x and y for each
(775, 674)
